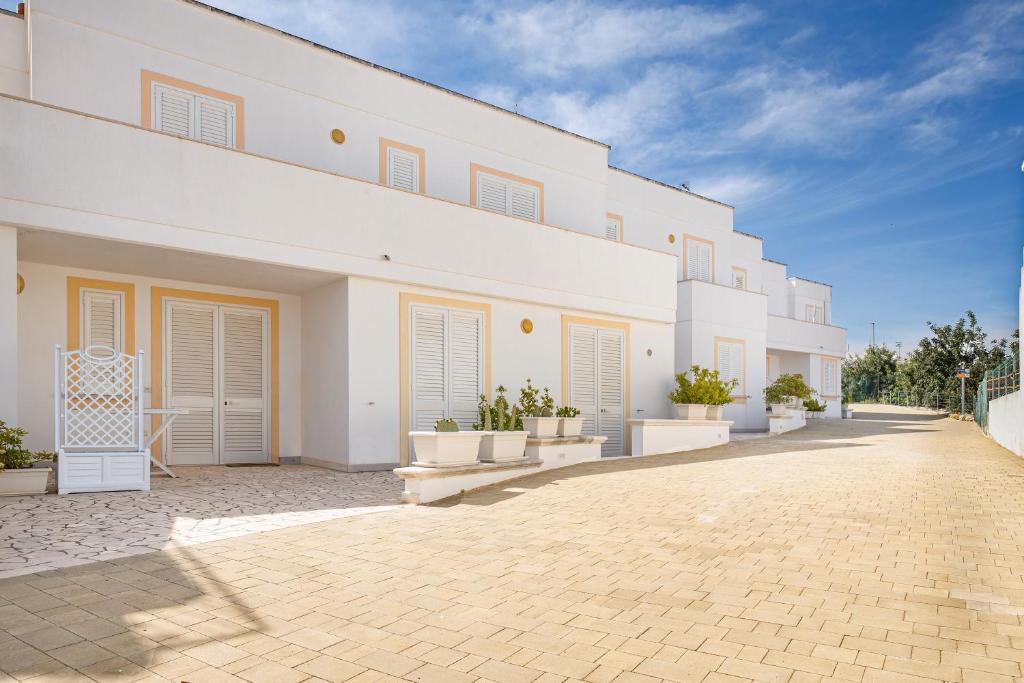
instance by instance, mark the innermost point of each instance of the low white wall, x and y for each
(1006, 421)
(651, 437)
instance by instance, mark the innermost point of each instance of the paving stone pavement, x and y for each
(887, 548)
(203, 504)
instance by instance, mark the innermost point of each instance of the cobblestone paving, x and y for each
(203, 504)
(888, 548)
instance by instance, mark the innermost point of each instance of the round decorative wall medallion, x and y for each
(338, 135)
(526, 326)
(671, 238)
(650, 352)
(21, 284)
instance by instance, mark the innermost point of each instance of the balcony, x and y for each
(73, 173)
(788, 334)
(723, 305)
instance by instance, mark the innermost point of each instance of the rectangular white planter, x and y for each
(93, 472)
(26, 482)
(715, 412)
(570, 426)
(502, 446)
(691, 411)
(445, 449)
(541, 427)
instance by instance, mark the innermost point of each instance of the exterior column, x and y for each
(8, 325)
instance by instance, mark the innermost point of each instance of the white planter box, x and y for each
(691, 411)
(779, 408)
(502, 446)
(93, 472)
(815, 414)
(24, 482)
(445, 449)
(541, 427)
(570, 426)
(715, 412)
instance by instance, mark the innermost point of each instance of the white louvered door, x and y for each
(446, 364)
(192, 115)
(190, 368)
(216, 365)
(243, 364)
(597, 383)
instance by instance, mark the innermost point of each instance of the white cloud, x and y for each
(556, 38)
(738, 188)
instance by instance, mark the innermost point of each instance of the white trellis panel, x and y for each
(99, 429)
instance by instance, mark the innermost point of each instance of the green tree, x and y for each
(867, 377)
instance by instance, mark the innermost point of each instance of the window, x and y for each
(193, 115)
(504, 193)
(772, 367)
(730, 361)
(613, 227)
(814, 314)
(700, 259)
(829, 377)
(739, 278)
(402, 166)
(102, 316)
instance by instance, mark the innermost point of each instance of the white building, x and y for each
(318, 254)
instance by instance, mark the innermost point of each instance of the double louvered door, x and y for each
(216, 366)
(597, 383)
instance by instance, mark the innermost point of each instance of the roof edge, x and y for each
(671, 187)
(373, 65)
(771, 260)
(747, 234)
(807, 279)
(11, 13)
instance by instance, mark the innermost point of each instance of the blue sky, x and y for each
(874, 145)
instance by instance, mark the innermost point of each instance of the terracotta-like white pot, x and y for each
(26, 482)
(715, 412)
(691, 411)
(779, 408)
(541, 427)
(502, 446)
(445, 449)
(570, 426)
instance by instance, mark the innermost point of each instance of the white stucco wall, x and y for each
(325, 414)
(778, 288)
(42, 322)
(13, 55)
(8, 332)
(1006, 421)
(88, 55)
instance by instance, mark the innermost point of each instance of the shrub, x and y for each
(567, 411)
(533, 404)
(706, 387)
(815, 407)
(684, 392)
(787, 387)
(13, 455)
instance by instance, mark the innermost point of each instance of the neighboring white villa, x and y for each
(318, 254)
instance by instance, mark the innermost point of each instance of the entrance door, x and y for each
(597, 383)
(216, 366)
(446, 362)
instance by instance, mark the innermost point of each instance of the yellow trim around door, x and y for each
(736, 398)
(627, 389)
(74, 304)
(405, 301)
(156, 314)
(146, 103)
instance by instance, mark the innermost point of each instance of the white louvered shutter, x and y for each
(243, 385)
(173, 111)
(611, 396)
(730, 365)
(523, 201)
(583, 375)
(429, 397)
(828, 377)
(191, 382)
(403, 170)
(102, 315)
(492, 193)
(466, 366)
(772, 364)
(216, 121)
(698, 261)
(612, 229)
(739, 279)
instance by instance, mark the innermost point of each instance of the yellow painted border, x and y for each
(746, 276)
(736, 398)
(405, 302)
(156, 314)
(420, 153)
(475, 168)
(146, 102)
(829, 359)
(622, 224)
(687, 238)
(568, 320)
(74, 304)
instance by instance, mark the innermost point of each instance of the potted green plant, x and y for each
(689, 400)
(446, 446)
(500, 441)
(785, 391)
(713, 390)
(569, 422)
(538, 411)
(17, 476)
(814, 408)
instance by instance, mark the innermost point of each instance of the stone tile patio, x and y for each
(885, 549)
(203, 504)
